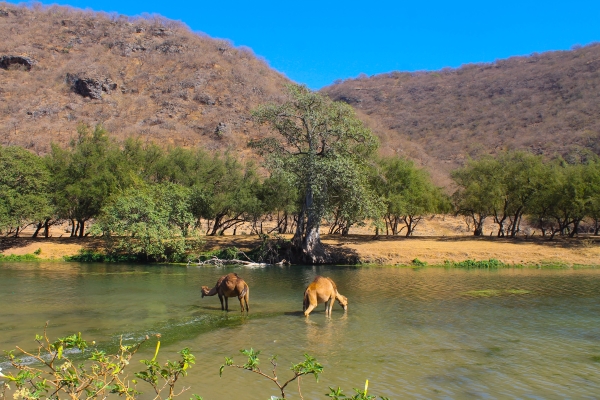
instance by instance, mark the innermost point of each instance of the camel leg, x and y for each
(246, 298)
(226, 303)
(309, 309)
(328, 306)
(221, 299)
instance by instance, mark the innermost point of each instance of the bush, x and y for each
(22, 257)
(492, 263)
(58, 375)
(89, 256)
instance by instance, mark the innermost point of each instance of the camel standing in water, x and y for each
(322, 290)
(230, 285)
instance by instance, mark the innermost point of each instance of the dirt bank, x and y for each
(385, 250)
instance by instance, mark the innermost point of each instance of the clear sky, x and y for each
(316, 42)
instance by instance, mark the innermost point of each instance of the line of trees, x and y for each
(553, 196)
(321, 169)
(132, 187)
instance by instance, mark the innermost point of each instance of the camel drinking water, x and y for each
(230, 285)
(322, 290)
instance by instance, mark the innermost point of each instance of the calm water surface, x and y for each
(415, 334)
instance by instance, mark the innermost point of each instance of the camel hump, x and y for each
(332, 284)
(321, 282)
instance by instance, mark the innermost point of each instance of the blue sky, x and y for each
(317, 42)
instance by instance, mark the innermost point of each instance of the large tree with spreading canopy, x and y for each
(316, 142)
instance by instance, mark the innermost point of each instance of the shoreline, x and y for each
(417, 251)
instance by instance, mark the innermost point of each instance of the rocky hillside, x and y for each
(547, 103)
(147, 77)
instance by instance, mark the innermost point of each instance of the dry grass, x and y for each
(386, 250)
(546, 103)
(174, 87)
(436, 250)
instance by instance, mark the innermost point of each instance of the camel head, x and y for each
(204, 290)
(343, 302)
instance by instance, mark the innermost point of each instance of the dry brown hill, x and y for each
(547, 103)
(148, 77)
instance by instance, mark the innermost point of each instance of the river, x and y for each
(414, 333)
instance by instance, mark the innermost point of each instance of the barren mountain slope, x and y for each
(145, 77)
(547, 103)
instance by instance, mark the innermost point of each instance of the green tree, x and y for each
(279, 199)
(352, 199)
(408, 194)
(480, 191)
(24, 189)
(520, 178)
(150, 221)
(593, 203)
(85, 175)
(318, 140)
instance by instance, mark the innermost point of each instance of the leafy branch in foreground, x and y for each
(307, 367)
(57, 375)
(337, 394)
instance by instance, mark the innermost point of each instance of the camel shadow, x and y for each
(294, 313)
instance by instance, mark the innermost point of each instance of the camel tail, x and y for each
(305, 301)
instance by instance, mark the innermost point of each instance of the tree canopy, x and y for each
(316, 141)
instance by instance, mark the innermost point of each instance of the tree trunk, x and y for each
(47, 227)
(307, 237)
(575, 228)
(217, 224)
(517, 222)
(346, 230)
(37, 229)
(81, 224)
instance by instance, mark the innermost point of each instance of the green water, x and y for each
(416, 334)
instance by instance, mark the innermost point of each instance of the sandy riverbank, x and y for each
(388, 250)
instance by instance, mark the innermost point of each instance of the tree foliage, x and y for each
(317, 140)
(151, 221)
(408, 194)
(556, 195)
(86, 175)
(24, 189)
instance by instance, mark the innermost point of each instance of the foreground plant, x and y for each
(307, 367)
(57, 375)
(337, 394)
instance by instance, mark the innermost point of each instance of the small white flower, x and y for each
(21, 394)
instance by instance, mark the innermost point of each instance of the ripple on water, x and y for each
(413, 334)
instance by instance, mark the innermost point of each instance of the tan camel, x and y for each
(322, 290)
(230, 285)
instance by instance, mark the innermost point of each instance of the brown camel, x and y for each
(230, 285)
(322, 290)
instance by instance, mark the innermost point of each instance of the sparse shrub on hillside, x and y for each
(544, 103)
(157, 65)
